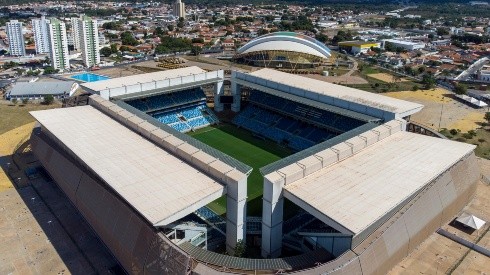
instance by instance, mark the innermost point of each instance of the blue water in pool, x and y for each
(89, 77)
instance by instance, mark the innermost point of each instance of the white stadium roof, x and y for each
(286, 41)
(160, 186)
(358, 191)
(141, 78)
(385, 103)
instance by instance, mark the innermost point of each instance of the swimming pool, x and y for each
(89, 77)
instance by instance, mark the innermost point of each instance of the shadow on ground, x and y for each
(45, 233)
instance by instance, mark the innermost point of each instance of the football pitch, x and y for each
(245, 147)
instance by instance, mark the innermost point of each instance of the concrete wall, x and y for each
(434, 206)
(160, 84)
(137, 245)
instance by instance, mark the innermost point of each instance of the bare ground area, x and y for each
(40, 231)
(387, 77)
(343, 79)
(440, 108)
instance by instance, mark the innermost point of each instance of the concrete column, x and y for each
(236, 92)
(218, 91)
(272, 215)
(236, 209)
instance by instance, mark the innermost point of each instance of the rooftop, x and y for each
(358, 191)
(160, 186)
(384, 103)
(141, 78)
(41, 88)
(286, 41)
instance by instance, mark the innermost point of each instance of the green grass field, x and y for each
(243, 146)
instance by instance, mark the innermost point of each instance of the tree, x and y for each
(240, 248)
(180, 24)
(429, 82)
(111, 25)
(50, 70)
(159, 31)
(442, 31)
(460, 89)
(14, 101)
(487, 117)
(195, 50)
(262, 32)
(321, 37)
(48, 100)
(171, 28)
(25, 101)
(342, 36)
(106, 51)
(128, 39)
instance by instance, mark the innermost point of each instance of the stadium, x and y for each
(285, 50)
(315, 178)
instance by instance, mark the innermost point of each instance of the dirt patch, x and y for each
(344, 79)
(441, 110)
(437, 95)
(9, 143)
(469, 122)
(387, 78)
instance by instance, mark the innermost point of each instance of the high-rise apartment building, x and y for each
(75, 32)
(41, 36)
(89, 41)
(58, 45)
(16, 38)
(179, 9)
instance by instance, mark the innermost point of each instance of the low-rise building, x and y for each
(357, 47)
(407, 45)
(38, 90)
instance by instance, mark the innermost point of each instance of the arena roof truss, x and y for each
(309, 102)
(286, 41)
(292, 57)
(167, 90)
(343, 97)
(153, 83)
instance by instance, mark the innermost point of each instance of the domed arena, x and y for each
(287, 50)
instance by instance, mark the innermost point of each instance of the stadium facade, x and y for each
(370, 192)
(287, 50)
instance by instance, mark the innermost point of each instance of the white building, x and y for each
(179, 9)
(89, 41)
(407, 45)
(102, 40)
(484, 74)
(16, 38)
(58, 45)
(75, 27)
(41, 37)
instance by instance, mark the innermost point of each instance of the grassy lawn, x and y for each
(16, 116)
(243, 146)
(479, 137)
(377, 86)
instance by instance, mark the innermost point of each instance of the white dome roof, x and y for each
(286, 41)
